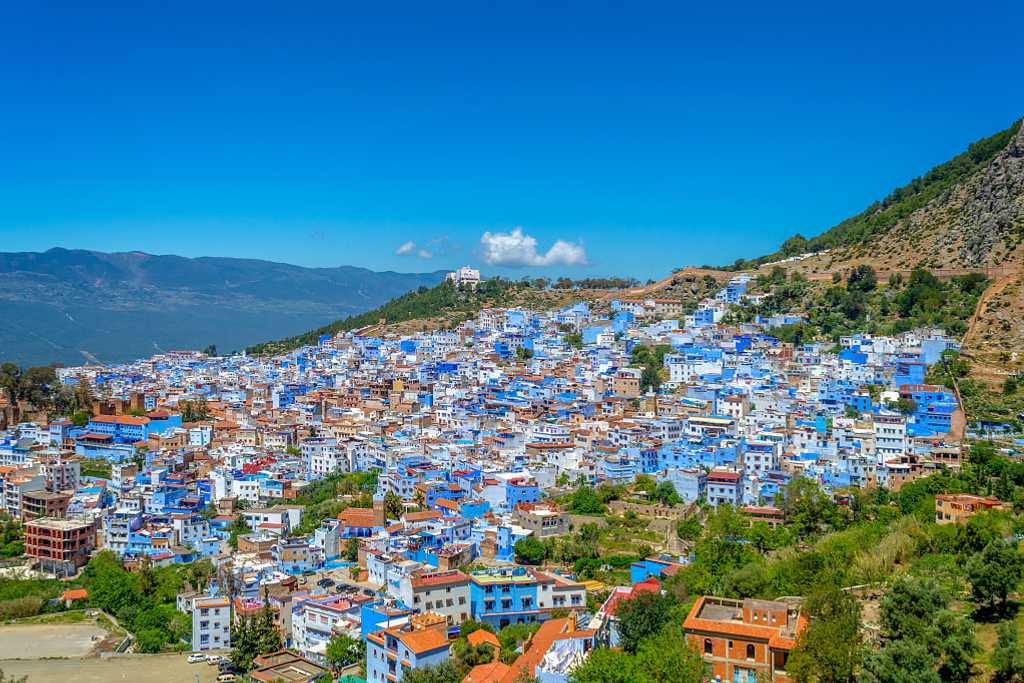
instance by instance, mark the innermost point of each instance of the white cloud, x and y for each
(405, 248)
(516, 249)
(425, 253)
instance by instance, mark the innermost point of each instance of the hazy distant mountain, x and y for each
(74, 306)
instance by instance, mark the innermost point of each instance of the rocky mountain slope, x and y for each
(967, 213)
(75, 306)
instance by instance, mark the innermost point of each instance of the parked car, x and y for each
(196, 657)
(214, 659)
(226, 678)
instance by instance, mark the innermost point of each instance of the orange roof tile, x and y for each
(421, 641)
(480, 636)
(485, 673)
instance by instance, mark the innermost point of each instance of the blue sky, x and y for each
(620, 138)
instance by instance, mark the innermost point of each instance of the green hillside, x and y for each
(424, 302)
(901, 202)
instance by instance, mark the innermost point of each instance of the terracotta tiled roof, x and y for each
(120, 419)
(485, 673)
(74, 594)
(421, 516)
(357, 517)
(421, 641)
(480, 636)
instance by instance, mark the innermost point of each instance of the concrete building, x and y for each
(953, 508)
(744, 640)
(445, 593)
(392, 651)
(211, 624)
(60, 546)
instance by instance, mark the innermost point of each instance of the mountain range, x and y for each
(76, 306)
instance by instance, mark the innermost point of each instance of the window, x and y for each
(750, 651)
(707, 646)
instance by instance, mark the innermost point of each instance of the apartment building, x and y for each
(60, 546)
(211, 624)
(423, 641)
(744, 641)
(518, 595)
(446, 593)
(36, 504)
(543, 519)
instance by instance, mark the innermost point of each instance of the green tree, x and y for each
(529, 550)
(689, 529)
(343, 651)
(194, 411)
(662, 657)
(903, 661)
(150, 640)
(665, 493)
(1008, 655)
(239, 527)
(608, 666)
(110, 586)
(829, 650)
(994, 573)
(666, 657)
(352, 550)
(915, 618)
(467, 656)
(642, 616)
(445, 672)
(807, 508)
(393, 507)
(254, 635)
(862, 278)
(584, 501)
(650, 378)
(909, 608)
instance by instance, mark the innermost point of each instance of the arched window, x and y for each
(750, 651)
(707, 646)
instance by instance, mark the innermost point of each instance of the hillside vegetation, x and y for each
(446, 306)
(862, 304)
(857, 233)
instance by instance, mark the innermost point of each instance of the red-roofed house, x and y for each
(740, 639)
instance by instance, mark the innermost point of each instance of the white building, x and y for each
(211, 624)
(445, 593)
(464, 276)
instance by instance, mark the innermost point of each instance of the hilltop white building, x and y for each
(464, 276)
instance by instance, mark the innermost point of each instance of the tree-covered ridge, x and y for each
(901, 202)
(863, 305)
(423, 302)
(456, 304)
